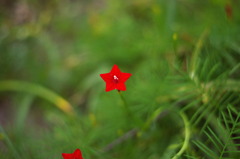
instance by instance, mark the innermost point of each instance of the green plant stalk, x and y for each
(186, 122)
(35, 89)
(9, 144)
(126, 107)
(187, 136)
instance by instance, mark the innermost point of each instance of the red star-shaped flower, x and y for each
(115, 79)
(75, 155)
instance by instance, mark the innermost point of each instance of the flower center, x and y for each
(115, 79)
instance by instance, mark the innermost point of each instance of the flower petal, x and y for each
(67, 155)
(115, 70)
(77, 154)
(106, 77)
(125, 76)
(121, 86)
(110, 86)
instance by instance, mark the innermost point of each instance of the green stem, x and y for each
(126, 107)
(187, 136)
(9, 144)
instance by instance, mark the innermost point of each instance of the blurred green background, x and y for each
(184, 56)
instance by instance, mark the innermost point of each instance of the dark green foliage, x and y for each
(183, 94)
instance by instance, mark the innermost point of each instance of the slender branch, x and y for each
(130, 134)
(187, 136)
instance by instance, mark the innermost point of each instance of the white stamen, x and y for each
(115, 77)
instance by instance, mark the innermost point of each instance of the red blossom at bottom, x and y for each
(75, 155)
